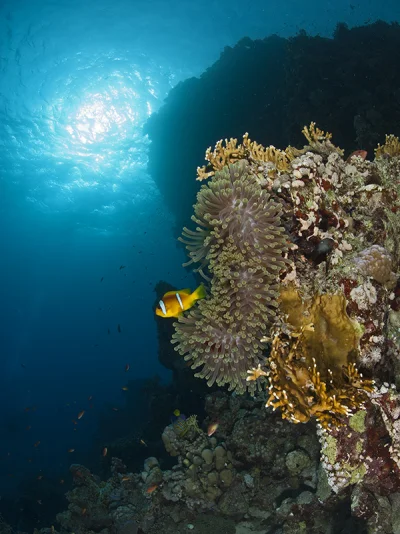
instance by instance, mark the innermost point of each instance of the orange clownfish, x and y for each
(174, 303)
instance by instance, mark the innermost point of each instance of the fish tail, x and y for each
(199, 293)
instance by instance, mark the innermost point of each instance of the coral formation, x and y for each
(391, 147)
(319, 331)
(230, 152)
(303, 267)
(331, 299)
(257, 474)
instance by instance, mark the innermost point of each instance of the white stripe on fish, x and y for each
(162, 306)
(179, 300)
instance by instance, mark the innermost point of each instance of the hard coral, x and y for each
(391, 147)
(232, 152)
(241, 242)
(376, 262)
(312, 370)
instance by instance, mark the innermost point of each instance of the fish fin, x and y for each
(169, 293)
(185, 291)
(199, 293)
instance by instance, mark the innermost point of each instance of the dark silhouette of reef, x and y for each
(271, 88)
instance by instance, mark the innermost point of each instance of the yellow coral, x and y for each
(312, 371)
(228, 151)
(255, 373)
(183, 426)
(315, 135)
(391, 147)
(318, 140)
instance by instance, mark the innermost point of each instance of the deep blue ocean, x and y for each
(84, 233)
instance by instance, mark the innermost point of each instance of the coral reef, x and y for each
(302, 262)
(329, 345)
(256, 474)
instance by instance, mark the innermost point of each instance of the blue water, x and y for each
(77, 82)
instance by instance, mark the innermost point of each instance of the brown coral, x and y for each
(391, 147)
(320, 141)
(230, 152)
(312, 369)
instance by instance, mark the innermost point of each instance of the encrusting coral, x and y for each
(241, 242)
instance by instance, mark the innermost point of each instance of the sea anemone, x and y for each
(242, 243)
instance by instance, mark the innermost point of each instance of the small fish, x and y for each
(142, 442)
(90, 397)
(102, 278)
(83, 511)
(127, 367)
(81, 414)
(122, 267)
(39, 501)
(40, 477)
(52, 529)
(174, 303)
(62, 481)
(105, 450)
(178, 417)
(180, 424)
(125, 479)
(152, 488)
(23, 366)
(212, 428)
(124, 388)
(28, 427)
(119, 329)
(71, 450)
(36, 444)
(115, 409)
(108, 331)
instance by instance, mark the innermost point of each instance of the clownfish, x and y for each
(174, 303)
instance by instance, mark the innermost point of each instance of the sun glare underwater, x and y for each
(90, 211)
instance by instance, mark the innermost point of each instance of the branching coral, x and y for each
(320, 141)
(312, 371)
(231, 152)
(391, 147)
(241, 241)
